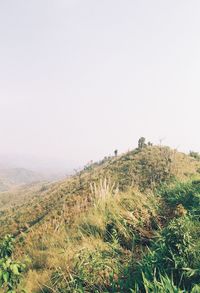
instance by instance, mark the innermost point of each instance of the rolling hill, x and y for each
(12, 177)
(88, 232)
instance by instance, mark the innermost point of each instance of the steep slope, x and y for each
(63, 225)
(144, 169)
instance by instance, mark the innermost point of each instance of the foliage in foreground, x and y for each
(10, 270)
(107, 249)
(111, 246)
(174, 258)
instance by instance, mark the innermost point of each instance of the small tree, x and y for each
(194, 155)
(10, 270)
(116, 153)
(141, 143)
(149, 143)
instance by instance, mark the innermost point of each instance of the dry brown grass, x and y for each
(82, 212)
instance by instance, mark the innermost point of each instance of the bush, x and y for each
(175, 254)
(186, 194)
(10, 270)
(195, 155)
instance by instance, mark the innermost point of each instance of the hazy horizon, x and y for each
(79, 79)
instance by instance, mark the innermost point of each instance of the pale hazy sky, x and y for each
(79, 79)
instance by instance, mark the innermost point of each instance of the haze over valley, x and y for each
(100, 146)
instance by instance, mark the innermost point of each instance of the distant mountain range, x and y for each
(12, 177)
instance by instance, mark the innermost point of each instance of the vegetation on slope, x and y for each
(10, 269)
(126, 223)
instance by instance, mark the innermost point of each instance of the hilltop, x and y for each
(85, 231)
(145, 168)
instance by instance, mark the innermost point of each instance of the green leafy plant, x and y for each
(161, 285)
(10, 270)
(186, 194)
(175, 253)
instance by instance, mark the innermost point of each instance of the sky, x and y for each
(79, 79)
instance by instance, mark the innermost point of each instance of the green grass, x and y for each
(127, 224)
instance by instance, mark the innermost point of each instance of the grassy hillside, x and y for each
(13, 177)
(92, 232)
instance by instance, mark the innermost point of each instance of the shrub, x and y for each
(175, 254)
(186, 194)
(10, 270)
(195, 155)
